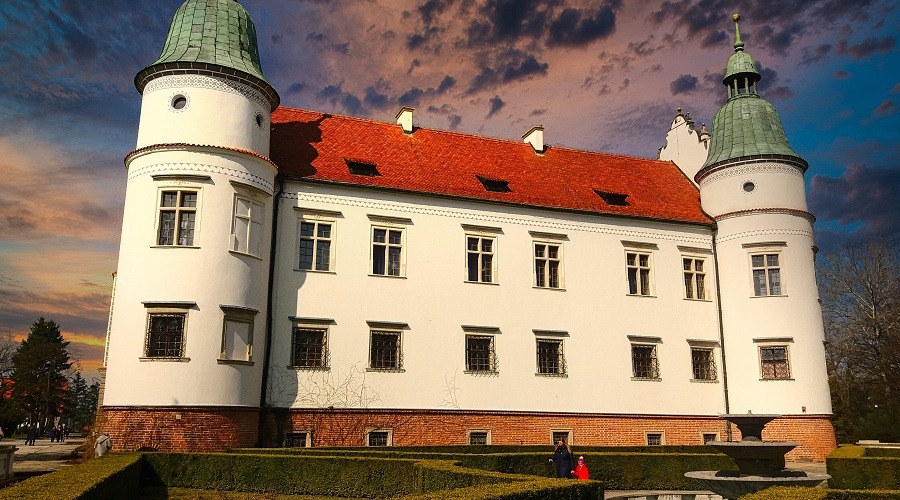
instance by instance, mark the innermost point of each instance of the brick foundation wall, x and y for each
(424, 427)
(202, 429)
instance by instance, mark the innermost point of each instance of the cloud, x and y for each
(684, 84)
(575, 27)
(510, 65)
(813, 56)
(645, 48)
(625, 83)
(841, 74)
(496, 105)
(768, 84)
(887, 107)
(413, 96)
(860, 195)
(895, 89)
(868, 47)
(338, 98)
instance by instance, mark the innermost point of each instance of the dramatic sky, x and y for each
(603, 75)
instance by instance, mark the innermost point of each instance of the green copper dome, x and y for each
(214, 35)
(747, 125)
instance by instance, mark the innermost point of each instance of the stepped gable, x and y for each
(317, 146)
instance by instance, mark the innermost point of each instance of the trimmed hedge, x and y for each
(536, 489)
(793, 493)
(110, 477)
(883, 452)
(852, 468)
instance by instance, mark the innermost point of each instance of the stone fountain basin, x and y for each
(730, 485)
(756, 457)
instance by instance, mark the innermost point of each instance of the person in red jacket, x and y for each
(581, 470)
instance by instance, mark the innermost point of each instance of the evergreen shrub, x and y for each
(110, 477)
(851, 467)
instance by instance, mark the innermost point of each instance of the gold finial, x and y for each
(738, 44)
(736, 17)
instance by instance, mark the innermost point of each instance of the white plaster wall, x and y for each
(218, 112)
(434, 300)
(776, 186)
(795, 314)
(684, 147)
(209, 275)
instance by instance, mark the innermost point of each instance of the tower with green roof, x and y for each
(187, 328)
(752, 185)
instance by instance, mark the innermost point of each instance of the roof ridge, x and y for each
(481, 137)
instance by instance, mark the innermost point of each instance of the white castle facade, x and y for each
(288, 277)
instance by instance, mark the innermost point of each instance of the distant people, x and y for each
(103, 445)
(54, 431)
(2, 435)
(65, 432)
(581, 470)
(562, 457)
(30, 436)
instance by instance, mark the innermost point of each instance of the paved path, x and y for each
(44, 456)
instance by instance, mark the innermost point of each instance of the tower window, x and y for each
(179, 102)
(177, 218)
(259, 120)
(749, 187)
(766, 274)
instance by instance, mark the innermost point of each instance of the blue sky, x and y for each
(601, 75)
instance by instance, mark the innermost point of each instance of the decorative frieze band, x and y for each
(766, 232)
(254, 180)
(494, 219)
(752, 168)
(207, 82)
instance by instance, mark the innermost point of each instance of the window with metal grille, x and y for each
(165, 335)
(655, 439)
(547, 260)
(315, 245)
(177, 217)
(694, 278)
(480, 259)
(310, 349)
(766, 274)
(703, 364)
(774, 362)
(638, 267)
(385, 351)
(378, 438)
(295, 439)
(478, 437)
(644, 363)
(387, 251)
(709, 437)
(480, 355)
(550, 357)
(566, 436)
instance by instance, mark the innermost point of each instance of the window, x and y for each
(547, 259)
(385, 350)
(298, 439)
(480, 259)
(656, 438)
(315, 245)
(479, 437)
(387, 251)
(703, 363)
(359, 167)
(495, 185)
(709, 437)
(379, 437)
(766, 274)
(165, 335)
(246, 230)
(694, 278)
(550, 357)
(237, 335)
(177, 217)
(616, 199)
(638, 267)
(480, 356)
(774, 362)
(644, 363)
(309, 348)
(564, 434)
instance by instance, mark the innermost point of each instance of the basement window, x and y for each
(616, 199)
(494, 185)
(358, 167)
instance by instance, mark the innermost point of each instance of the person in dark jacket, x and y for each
(562, 457)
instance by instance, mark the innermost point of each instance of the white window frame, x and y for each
(704, 434)
(487, 433)
(180, 187)
(312, 324)
(255, 221)
(390, 436)
(316, 240)
(242, 315)
(481, 254)
(388, 224)
(547, 240)
(777, 343)
(492, 362)
(569, 436)
(766, 249)
(662, 438)
(638, 268)
(167, 309)
(386, 330)
(695, 277)
(307, 441)
(645, 342)
(551, 336)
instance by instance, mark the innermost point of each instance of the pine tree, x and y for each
(40, 364)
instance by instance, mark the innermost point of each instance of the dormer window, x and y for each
(495, 185)
(359, 167)
(616, 199)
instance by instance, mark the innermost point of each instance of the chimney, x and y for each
(405, 119)
(535, 137)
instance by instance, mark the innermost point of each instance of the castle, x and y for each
(296, 278)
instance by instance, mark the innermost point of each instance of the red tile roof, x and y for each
(312, 145)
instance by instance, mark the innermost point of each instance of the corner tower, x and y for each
(752, 185)
(187, 329)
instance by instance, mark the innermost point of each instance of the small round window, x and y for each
(179, 102)
(749, 187)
